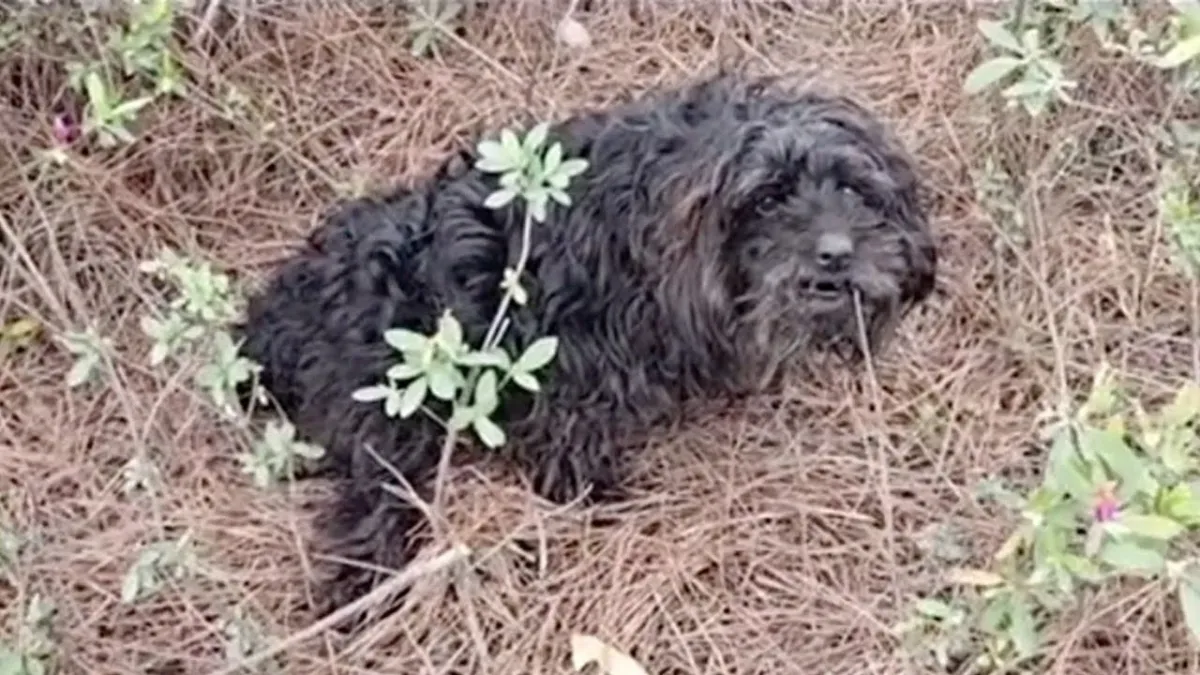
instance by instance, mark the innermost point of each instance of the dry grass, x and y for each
(782, 538)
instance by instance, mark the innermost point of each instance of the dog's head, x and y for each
(816, 215)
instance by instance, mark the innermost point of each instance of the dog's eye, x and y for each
(767, 203)
(756, 250)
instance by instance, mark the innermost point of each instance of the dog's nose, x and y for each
(834, 250)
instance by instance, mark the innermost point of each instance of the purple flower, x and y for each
(66, 130)
(1106, 508)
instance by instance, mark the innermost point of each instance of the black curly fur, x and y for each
(684, 267)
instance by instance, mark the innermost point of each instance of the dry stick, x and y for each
(402, 579)
(885, 496)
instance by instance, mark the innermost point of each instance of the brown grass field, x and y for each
(786, 537)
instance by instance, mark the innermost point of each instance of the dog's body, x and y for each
(717, 228)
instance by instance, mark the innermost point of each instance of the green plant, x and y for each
(1040, 79)
(245, 637)
(33, 653)
(157, 565)
(1180, 208)
(90, 350)
(193, 332)
(12, 544)
(277, 454)
(194, 327)
(136, 66)
(435, 364)
(995, 192)
(431, 21)
(1120, 490)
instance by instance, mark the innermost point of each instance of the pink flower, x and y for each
(1106, 507)
(66, 130)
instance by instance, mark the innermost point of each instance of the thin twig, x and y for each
(401, 580)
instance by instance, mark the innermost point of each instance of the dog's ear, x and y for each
(697, 279)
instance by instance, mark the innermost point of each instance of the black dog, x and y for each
(719, 228)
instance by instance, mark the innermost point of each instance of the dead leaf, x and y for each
(20, 333)
(587, 649)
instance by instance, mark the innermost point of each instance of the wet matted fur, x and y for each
(721, 227)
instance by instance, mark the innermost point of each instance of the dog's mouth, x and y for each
(828, 291)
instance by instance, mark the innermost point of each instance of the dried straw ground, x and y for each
(782, 538)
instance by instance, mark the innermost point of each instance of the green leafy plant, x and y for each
(90, 350)
(1180, 43)
(277, 455)
(12, 545)
(1180, 208)
(157, 565)
(136, 66)
(431, 21)
(1037, 76)
(33, 653)
(194, 332)
(995, 192)
(195, 327)
(245, 637)
(1120, 490)
(435, 364)
(1104, 17)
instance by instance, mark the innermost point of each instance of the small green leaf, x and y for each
(404, 371)
(525, 381)
(376, 392)
(442, 381)
(1151, 526)
(80, 372)
(1024, 88)
(553, 159)
(11, 663)
(1184, 408)
(989, 72)
(537, 205)
(413, 397)
(1181, 53)
(994, 613)
(97, 93)
(492, 158)
(1181, 503)
(572, 168)
(131, 585)
(933, 608)
(129, 108)
(486, 399)
(537, 355)
(500, 198)
(489, 433)
(559, 196)
(1022, 629)
(1065, 470)
(1121, 460)
(405, 340)
(1128, 556)
(996, 33)
(1083, 568)
(512, 148)
(450, 333)
(1189, 602)
(536, 137)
